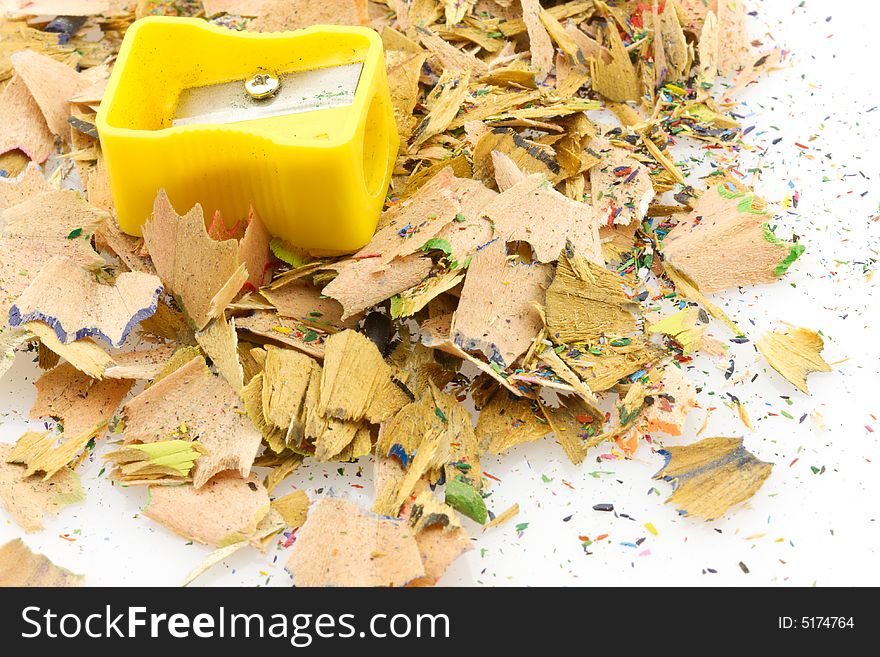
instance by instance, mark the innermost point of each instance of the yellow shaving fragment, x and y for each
(443, 103)
(682, 327)
(690, 291)
(356, 383)
(284, 467)
(159, 460)
(84, 355)
(794, 353)
(712, 475)
(293, 508)
(38, 451)
(507, 421)
(503, 517)
(617, 80)
(586, 301)
(744, 415)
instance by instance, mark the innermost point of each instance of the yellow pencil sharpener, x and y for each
(298, 125)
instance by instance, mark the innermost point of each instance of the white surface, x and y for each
(801, 528)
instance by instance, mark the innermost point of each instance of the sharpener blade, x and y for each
(301, 91)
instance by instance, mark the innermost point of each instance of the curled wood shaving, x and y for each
(28, 499)
(20, 567)
(301, 300)
(539, 40)
(281, 470)
(28, 183)
(403, 69)
(495, 315)
(734, 50)
(451, 58)
(293, 508)
(226, 510)
(286, 375)
(726, 242)
(109, 312)
(254, 252)
(438, 549)
(37, 229)
(340, 545)
(532, 211)
(84, 355)
(574, 423)
(203, 273)
(162, 462)
(220, 343)
(601, 367)
(39, 452)
(443, 104)
(669, 38)
(52, 85)
(524, 154)
(290, 332)
(620, 186)
(193, 404)
(426, 436)
(77, 400)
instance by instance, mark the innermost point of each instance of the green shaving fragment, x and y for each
(179, 455)
(628, 415)
(465, 499)
(703, 114)
(794, 250)
(727, 192)
(438, 244)
(292, 256)
(769, 235)
(747, 205)
(396, 306)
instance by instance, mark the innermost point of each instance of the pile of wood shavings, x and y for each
(515, 272)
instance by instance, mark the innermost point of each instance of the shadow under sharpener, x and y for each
(314, 160)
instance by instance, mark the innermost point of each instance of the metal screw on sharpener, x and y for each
(262, 85)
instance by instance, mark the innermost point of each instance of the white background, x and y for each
(802, 528)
